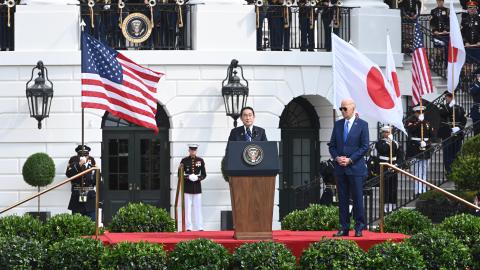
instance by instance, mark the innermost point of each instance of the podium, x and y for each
(252, 168)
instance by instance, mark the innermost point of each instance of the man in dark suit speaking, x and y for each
(248, 132)
(348, 145)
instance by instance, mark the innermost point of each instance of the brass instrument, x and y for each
(10, 4)
(311, 4)
(91, 4)
(286, 14)
(337, 19)
(151, 4)
(180, 3)
(121, 5)
(258, 4)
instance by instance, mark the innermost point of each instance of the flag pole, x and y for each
(421, 124)
(391, 143)
(453, 83)
(82, 26)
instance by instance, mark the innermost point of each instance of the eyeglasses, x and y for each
(343, 109)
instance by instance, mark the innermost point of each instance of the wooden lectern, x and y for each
(252, 168)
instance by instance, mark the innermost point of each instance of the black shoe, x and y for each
(341, 233)
(358, 234)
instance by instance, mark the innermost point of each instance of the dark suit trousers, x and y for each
(350, 185)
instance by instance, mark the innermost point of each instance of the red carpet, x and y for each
(296, 241)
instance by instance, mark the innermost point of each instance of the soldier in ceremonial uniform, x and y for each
(471, 26)
(82, 199)
(328, 10)
(449, 129)
(475, 109)
(194, 168)
(3, 26)
(418, 146)
(396, 157)
(261, 11)
(279, 16)
(307, 16)
(410, 9)
(440, 25)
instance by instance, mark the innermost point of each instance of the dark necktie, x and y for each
(345, 131)
(248, 138)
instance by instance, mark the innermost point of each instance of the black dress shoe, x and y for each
(358, 234)
(341, 233)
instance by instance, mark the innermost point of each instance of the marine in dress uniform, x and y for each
(279, 16)
(307, 16)
(82, 199)
(328, 10)
(440, 25)
(471, 26)
(383, 155)
(261, 12)
(475, 109)
(418, 147)
(449, 129)
(410, 9)
(194, 169)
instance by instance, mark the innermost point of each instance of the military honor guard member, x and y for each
(389, 151)
(440, 25)
(307, 16)
(82, 199)
(328, 10)
(475, 109)
(449, 129)
(470, 26)
(194, 170)
(410, 9)
(418, 146)
(279, 18)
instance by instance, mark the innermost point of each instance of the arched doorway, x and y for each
(135, 164)
(300, 153)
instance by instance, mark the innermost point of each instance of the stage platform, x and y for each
(296, 241)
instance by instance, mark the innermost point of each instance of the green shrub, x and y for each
(333, 254)
(389, 255)
(199, 254)
(471, 146)
(63, 226)
(406, 221)
(134, 256)
(466, 172)
(24, 226)
(314, 218)
(38, 170)
(21, 253)
(263, 255)
(139, 217)
(439, 197)
(441, 250)
(75, 253)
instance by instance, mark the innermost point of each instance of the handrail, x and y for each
(395, 168)
(180, 183)
(97, 197)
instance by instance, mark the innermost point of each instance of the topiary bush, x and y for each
(24, 226)
(75, 253)
(471, 146)
(38, 170)
(466, 172)
(333, 254)
(314, 218)
(441, 250)
(141, 255)
(406, 221)
(389, 255)
(263, 255)
(200, 254)
(20, 253)
(63, 226)
(139, 217)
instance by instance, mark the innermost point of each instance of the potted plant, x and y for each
(39, 171)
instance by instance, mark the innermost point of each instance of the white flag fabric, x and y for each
(357, 77)
(392, 78)
(456, 52)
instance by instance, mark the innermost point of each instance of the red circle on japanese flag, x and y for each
(377, 90)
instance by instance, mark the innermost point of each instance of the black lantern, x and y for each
(39, 94)
(234, 92)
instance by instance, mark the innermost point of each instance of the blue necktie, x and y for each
(345, 131)
(248, 136)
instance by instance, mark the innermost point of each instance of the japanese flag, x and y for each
(456, 52)
(392, 78)
(357, 77)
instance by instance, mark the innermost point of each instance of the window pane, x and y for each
(297, 146)
(297, 164)
(113, 164)
(306, 146)
(113, 181)
(123, 163)
(123, 181)
(306, 164)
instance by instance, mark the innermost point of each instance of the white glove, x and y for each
(451, 103)
(193, 177)
(390, 137)
(423, 144)
(106, 7)
(455, 129)
(421, 117)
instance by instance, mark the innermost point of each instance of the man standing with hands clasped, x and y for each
(194, 170)
(348, 145)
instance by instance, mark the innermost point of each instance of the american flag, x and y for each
(422, 80)
(112, 82)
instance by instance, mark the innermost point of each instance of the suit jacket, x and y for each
(238, 134)
(354, 148)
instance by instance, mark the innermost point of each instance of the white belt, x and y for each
(83, 188)
(418, 139)
(387, 158)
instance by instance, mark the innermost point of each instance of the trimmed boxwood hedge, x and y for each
(21, 253)
(263, 255)
(314, 218)
(333, 254)
(139, 217)
(65, 225)
(389, 255)
(466, 172)
(24, 226)
(406, 221)
(199, 254)
(134, 256)
(75, 253)
(38, 170)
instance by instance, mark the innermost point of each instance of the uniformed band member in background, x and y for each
(7, 33)
(97, 29)
(418, 147)
(194, 169)
(328, 10)
(471, 26)
(261, 11)
(82, 199)
(307, 16)
(449, 129)
(383, 155)
(440, 26)
(475, 109)
(279, 17)
(410, 9)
